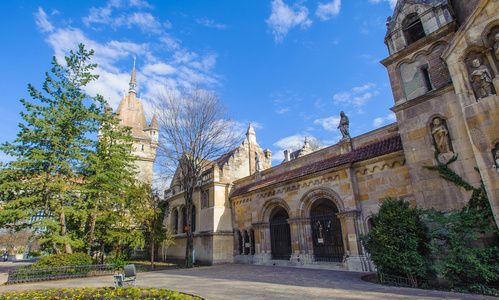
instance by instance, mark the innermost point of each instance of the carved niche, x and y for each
(495, 155)
(441, 137)
(480, 75)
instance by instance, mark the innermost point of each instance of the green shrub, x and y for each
(62, 260)
(34, 253)
(399, 241)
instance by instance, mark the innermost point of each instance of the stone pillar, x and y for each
(299, 256)
(354, 260)
(262, 253)
(495, 71)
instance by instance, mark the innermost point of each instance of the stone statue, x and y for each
(496, 46)
(496, 159)
(481, 79)
(258, 162)
(441, 136)
(344, 123)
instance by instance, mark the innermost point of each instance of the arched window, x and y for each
(193, 221)
(246, 242)
(239, 242)
(370, 224)
(413, 28)
(252, 241)
(175, 221)
(184, 220)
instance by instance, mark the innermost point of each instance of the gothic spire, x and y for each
(133, 82)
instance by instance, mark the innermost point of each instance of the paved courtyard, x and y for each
(259, 282)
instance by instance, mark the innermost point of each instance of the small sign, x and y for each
(246, 245)
(320, 241)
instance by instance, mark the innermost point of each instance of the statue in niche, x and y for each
(481, 79)
(258, 162)
(344, 124)
(496, 46)
(441, 136)
(496, 158)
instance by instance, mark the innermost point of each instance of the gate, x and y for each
(280, 238)
(327, 238)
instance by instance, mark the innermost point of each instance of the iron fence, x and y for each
(54, 273)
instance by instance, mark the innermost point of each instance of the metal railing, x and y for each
(54, 273)
(400, 281)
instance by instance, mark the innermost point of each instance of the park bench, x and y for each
(128, 277)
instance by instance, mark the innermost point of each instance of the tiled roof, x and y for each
(378, 148)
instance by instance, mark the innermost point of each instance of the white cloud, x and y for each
(378, 122)
(282, 110)
(357, 96)
(210, 23)
(42, 21)
(391, 2)
(326, 11)
(290, 141)
(160, 61)
(145, 21)
(330, 124)
(283, 18)
(159, 68)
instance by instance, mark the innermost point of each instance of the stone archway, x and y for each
(327, 239)
(280, 234)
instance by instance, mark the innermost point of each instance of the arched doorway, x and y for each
(280, 234)
(326, 232)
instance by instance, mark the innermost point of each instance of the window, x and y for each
(205, 199)
(175, 220)
(184, 220)
(413, 29)
(193, 220)
(426, 77)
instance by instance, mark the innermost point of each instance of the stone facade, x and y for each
(311, 210)
(145, 137)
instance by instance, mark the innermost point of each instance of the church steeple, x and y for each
(133, 82)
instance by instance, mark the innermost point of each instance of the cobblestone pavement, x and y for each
(259, 282)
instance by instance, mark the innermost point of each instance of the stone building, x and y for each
(311, 209)
(145, 137)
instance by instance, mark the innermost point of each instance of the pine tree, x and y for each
(109, 171)
(41, 188)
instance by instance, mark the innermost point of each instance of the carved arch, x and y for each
(308, 200)
(270, 205)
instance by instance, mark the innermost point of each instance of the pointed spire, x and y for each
(251, 135)
(133, 82)
(154, 122)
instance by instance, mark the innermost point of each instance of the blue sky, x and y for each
(289, 67)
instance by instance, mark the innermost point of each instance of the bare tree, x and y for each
(14, 241)
(195, 129)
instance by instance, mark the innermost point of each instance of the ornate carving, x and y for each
(344, 124)
(496, 46)
(258, 162)
(495, 154)
(441, 135)
(481, 79)
(349, 215)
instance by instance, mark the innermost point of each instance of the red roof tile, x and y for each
(378, 148)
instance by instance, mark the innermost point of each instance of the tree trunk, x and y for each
(152, 244)
(62, 220)
(190, 236)
(93, 217)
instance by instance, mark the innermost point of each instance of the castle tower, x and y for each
(428, 110)
(145, 137)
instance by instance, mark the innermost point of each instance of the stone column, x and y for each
(354, 260)
(262, 249)
(492, 64)
(298, 242)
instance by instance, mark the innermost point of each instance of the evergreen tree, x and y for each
(399, 241)
(109, 171)
(41, 188)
